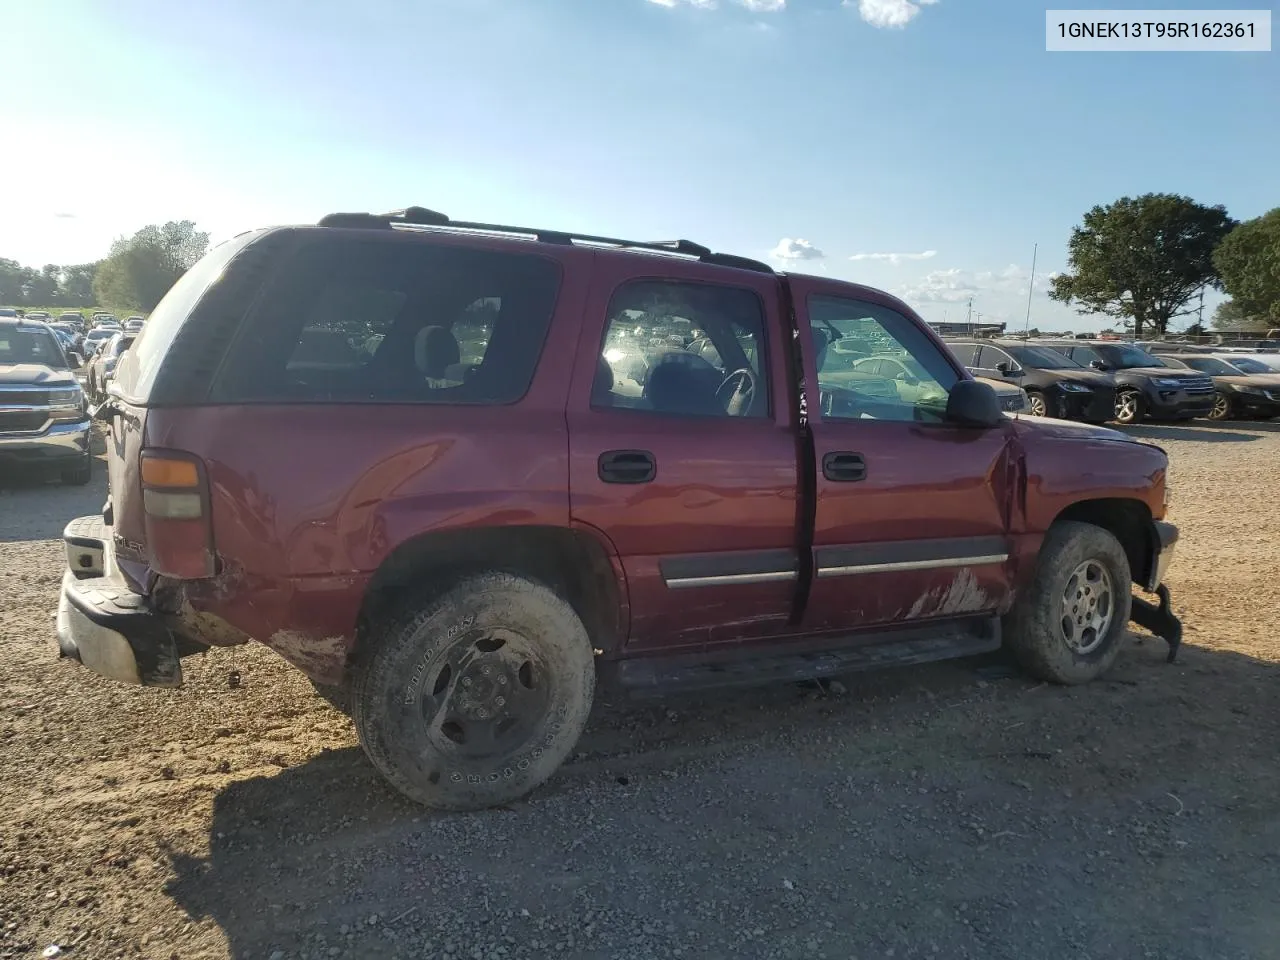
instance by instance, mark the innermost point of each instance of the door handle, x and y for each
(843, 466)
(627, 466)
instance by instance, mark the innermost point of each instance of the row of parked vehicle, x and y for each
(92, 346)
(1101, 380)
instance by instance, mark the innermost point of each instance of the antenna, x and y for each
(1031, 285)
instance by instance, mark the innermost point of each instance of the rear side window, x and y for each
(966, 353)
(359, 320)
(137, 374)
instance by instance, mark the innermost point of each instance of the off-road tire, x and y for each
(1139, 406)
(1223, 408)
(1033, 629)
(398, 672)
(80, 474)
(1034, 396)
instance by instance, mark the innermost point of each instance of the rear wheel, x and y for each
(1221, 407)
(475, 697)
(1129, 407)
(1035, 404)
(1068, 625)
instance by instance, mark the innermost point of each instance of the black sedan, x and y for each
(1056, 386)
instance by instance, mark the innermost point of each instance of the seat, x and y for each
(435, 350)
(683, 383)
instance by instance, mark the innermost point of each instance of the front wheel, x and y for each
(1036, 405)
(1068, 625)
(476, 696)
(1128, 406)
(80, 474)
(1221, 407)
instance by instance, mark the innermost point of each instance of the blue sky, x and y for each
(941, 132)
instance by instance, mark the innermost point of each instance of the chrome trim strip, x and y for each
(912, 565)
(732, 579)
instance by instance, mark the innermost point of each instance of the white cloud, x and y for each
(888, 13)
(956, 286)
(895, 258)
(943, 286)
(764, 6)
(788, 249)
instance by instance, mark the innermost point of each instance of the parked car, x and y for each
(133, 324)
(8, 313)
(1145, 386)
(102, 367)
(1056, 386)
(95, 338)
(43, 418)
(458, 547)
(1237, 394)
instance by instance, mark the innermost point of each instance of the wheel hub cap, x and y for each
(1088, 605)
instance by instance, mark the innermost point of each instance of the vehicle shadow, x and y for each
(864, 817)
(1204, 431)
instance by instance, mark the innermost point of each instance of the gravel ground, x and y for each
(920, 812)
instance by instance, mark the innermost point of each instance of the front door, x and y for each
(911, 520)
(681, 451)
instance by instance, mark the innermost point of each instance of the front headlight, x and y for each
(1244, 388)
(1075, 387)
(66, 404)
(1167, 382)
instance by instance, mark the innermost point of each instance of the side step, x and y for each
(809, 660)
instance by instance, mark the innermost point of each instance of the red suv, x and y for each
(453, 471)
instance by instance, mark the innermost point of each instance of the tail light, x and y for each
(175, 502)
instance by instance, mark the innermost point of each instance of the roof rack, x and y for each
(422, 217)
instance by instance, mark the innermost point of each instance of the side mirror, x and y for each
(1007, 369)
(1097, 364)
(973, 404)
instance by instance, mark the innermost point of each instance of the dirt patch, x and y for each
(921, 812)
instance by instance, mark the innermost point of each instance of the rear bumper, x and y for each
(105, 625)
(60, 443)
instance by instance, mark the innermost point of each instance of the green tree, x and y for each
(77, 285)
(141, 269)
(1142, 259)
(1248, 261)
(1231, 316)
(13, 283)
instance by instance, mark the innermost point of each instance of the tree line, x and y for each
(135, 274)
(1147, 261)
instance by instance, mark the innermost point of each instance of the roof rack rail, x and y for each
(421, 216)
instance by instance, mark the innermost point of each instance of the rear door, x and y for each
(681, 448)
(912, 512)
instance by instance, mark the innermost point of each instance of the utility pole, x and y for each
(1026, 331)
(968, 317)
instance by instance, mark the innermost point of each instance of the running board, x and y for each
(654, 676)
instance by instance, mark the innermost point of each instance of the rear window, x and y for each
(137, 373)
(359, 320)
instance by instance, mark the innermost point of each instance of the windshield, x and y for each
(1124, 358)
(100, 334)
(30, 346)
(1041, 358)
(1248, 365)
(1212, 366)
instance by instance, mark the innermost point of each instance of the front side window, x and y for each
(352, 320)
(966, 353)
(1214, 367)
(683, 349)
(900, 374)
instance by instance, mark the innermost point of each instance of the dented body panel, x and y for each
(739, 538)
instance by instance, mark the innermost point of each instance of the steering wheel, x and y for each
(737, 401)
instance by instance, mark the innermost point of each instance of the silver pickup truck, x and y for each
(44, 420)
